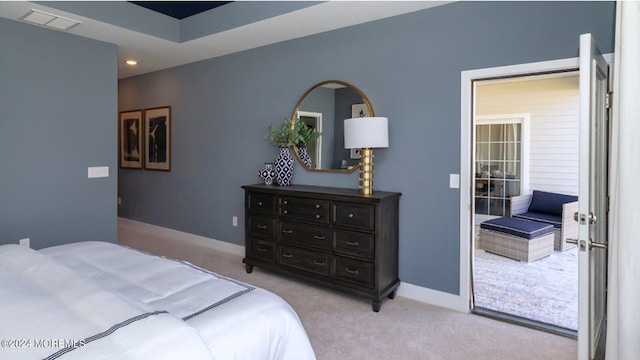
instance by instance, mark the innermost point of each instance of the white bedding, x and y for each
(48, 311)
(235, 320)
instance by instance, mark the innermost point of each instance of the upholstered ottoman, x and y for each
(518, 239)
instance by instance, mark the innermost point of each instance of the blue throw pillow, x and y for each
(549, 203)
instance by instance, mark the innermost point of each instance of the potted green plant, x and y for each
(283, 136)
(304, 135)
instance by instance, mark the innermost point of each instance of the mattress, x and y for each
(48, 311)
(234, 319)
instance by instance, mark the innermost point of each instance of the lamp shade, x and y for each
(366, 132)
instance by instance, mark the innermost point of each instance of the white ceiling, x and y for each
(154, 52)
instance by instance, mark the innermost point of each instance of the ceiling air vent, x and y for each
(49, 20)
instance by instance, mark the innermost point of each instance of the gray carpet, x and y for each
(344, 327)
(545, 290)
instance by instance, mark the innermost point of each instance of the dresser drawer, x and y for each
(262, 226)
(261, 249)
(304, 235)
(354, 271)
(354, 244)
(317, 263)
(261, 203)
(359, 216)
(305, 209)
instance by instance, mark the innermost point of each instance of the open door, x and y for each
(593, 199)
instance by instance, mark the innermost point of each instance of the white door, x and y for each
(593, 199)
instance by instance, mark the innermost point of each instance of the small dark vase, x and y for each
(304, 155)
(267, 173)
(284, 167)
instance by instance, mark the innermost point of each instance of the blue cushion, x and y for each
(518, 227)
(549, 203)
(554, 220)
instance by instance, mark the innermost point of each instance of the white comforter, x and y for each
(47, 311)
(236, 320)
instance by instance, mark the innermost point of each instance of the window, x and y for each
(499, 163)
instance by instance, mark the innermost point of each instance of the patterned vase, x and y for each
(284, 167)
(304, 155)
(267, 173)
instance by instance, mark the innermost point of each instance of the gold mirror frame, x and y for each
(294, 116)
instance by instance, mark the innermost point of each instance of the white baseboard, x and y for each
(406, 290)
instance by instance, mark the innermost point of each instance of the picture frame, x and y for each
(131, 140)
(358, 110)
(157, 135)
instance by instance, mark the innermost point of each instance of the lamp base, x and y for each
(366, 171)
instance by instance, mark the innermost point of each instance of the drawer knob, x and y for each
(317, 206)
(317, 216)
(260, 226)
(287, 255)
(319, 237)
(285, 202)
(351, 216)
(287, 231)
(319, 262)
(259, 203)
(261, 249)
(285, 211)
(352, 243)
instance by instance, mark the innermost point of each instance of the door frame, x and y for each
(467, 107)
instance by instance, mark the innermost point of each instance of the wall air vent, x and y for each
(50, 20)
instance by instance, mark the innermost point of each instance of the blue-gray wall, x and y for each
(58, 116)
(408, 66)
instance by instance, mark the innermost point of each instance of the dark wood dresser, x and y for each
(332, 237)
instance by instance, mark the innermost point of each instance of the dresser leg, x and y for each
(392, 294)
(375, 305)
(249, 268)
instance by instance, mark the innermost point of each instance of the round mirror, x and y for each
(324, 107)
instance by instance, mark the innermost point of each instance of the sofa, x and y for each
(550, 208)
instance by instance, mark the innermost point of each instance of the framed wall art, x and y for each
(359, 110)
(130, 139)
(157, 134)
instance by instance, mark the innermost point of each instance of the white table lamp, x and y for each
(366, 133)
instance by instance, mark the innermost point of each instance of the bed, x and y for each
(227, 318)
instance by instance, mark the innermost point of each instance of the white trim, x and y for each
(467, 108)
(406, 290)
(317, 162)
(182, 236)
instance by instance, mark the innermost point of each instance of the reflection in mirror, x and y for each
(324, 107)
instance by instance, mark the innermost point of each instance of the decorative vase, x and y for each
(267, 173)
(284, 167)
(304, 155)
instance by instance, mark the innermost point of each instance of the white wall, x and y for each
(554, 107)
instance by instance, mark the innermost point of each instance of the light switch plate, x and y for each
(98, 172)
(454, 181)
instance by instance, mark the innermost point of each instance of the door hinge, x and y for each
(608, 99)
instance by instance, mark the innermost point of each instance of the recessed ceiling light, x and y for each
(131, 62)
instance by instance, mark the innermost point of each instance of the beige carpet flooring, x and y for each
(344, 327)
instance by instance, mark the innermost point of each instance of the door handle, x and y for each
(583, 244)
(597, 245)
(571, 241)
